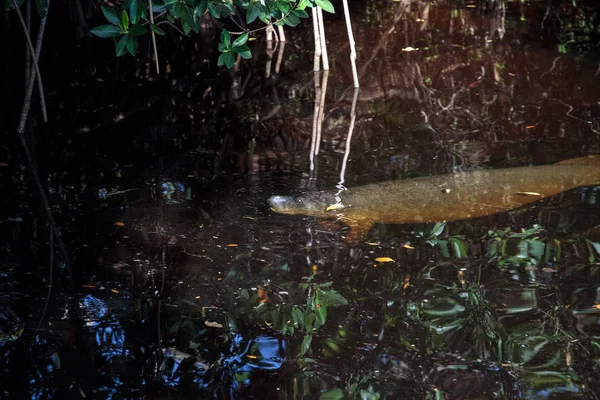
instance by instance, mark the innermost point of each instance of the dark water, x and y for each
(186, 285)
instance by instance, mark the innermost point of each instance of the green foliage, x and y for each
(132, 20)
(228, 49)
(295, 308)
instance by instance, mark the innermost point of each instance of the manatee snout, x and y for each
(282, 203)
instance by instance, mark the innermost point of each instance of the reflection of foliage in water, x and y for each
(497, 305)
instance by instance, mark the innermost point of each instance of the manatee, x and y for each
(448, 197)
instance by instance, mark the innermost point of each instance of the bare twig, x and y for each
(552, 67)
(21, 129)
(50, 286)
(29, 89)
(35, 60)
(153, 37)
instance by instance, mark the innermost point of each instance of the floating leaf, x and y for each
(384, 259)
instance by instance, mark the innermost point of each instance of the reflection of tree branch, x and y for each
(451, 104)
(568, 114)
(551, 68)
(402, 6)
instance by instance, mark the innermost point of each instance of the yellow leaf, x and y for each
(529, 194)
(384, 259)
(335, 206)
(232, 245)
(597, 306)
(407, 246)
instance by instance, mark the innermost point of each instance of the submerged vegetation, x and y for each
(155, 268)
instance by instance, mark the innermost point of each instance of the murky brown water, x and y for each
(190, 287)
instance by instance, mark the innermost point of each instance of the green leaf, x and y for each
(200, 9)
(437, 229)
(156, 29)
(291, 20)
(252, 12)
(297, 317)
(133, 11)
(243, 51)
(300, 13)
(137, 30)
(121, 46)
(459, 247)
(226, 59)
(325, 5)
(309, 322)
(111, 15)
(226, 38)
(213, 10)
(330, 298)
(125, 20)
(41, 6)
(184, 13)
(334, 394)
(321, 313)
(9, 4)
(132, 44)
(303, 4)
(240, 40)
(283, 7)
(106, 31)
(305, 345)
(595, 245)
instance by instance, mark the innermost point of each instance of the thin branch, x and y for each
(172, 25)
(21, 129)
(50, 286)
(153, 37)
(29, 90)
(35, 60)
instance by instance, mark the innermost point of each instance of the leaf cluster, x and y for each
(132, 20)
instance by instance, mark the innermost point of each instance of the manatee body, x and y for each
(450, 197)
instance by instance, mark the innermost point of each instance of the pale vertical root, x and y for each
(315, 18)
(279, 57)
(323, 40)
(281, 33)
(321, 116)
(352, 44)
(269, 52)
(313, 141)
(269, 33)
(348, 139)
(153, 37)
